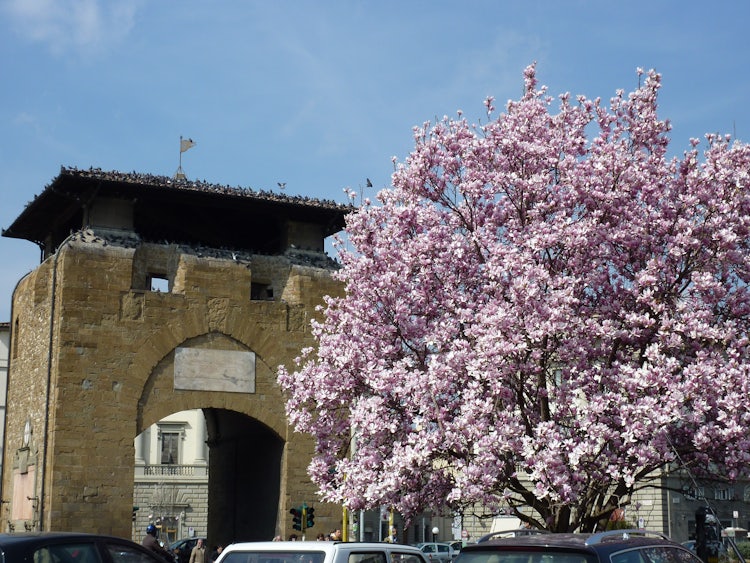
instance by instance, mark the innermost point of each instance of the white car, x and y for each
(320, 552)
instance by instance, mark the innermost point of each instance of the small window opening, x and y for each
(158, 283)
(14, 336)
(261, 292)
(170, 448)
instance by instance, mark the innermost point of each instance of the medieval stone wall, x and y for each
(95, 366)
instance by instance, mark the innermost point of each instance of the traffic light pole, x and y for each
(303, 517)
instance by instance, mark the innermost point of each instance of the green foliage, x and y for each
(744, 548)
(619, 525)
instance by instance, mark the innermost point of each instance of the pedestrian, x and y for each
(215, 553)
(198, 555)
(151, 543)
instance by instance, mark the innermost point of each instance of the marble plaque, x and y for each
(198, 369)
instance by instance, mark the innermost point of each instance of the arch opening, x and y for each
(245, 484)
(210, 472)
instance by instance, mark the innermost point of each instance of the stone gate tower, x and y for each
(155, 296)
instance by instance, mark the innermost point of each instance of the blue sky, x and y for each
(323, 94)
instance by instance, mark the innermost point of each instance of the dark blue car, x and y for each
(70, 547)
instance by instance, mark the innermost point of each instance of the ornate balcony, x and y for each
(169, 472)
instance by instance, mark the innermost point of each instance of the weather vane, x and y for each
(185, 144)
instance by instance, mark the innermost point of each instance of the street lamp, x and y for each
(435, 532)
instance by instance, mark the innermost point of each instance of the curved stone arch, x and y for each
(101, 343)
(243, 428)
(159, 397)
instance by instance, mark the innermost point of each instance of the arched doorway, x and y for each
(208, 472)
(245, 477)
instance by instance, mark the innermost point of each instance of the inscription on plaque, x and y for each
(198, 369)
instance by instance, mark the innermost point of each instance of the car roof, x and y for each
(614, 539)
(16, 546)
(187, 540)
(434, 543)
(533, 540)
(43, 537)
(309, 545)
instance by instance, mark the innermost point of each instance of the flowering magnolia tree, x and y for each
(542, 311)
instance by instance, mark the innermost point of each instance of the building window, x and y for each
(724, 493)
(694, 493)
(14, 336)
(158, 283)
(261, 291)
(170, 447)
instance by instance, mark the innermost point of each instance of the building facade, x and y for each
(171, 477)
(668, 506)
(153, 298)
(4, 355)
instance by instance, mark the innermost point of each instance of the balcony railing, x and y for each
(190, 472)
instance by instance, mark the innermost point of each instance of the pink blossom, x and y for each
(535, 314)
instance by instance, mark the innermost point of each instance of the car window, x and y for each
(67, 553)
(629, 556)
(367, 557)
(442, 548)
(514, 556)
(121, 553)
(402, 557)
(274, 557)
(666, 554)
(428, 548)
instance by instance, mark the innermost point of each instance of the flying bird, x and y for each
(282, 185)
(369, 184)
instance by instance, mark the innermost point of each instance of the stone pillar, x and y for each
(139, 447)
(201, 436)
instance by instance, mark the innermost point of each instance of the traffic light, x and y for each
(708, 541)
(310, 514)
(296, 518)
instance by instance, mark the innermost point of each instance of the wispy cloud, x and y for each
(82, 26)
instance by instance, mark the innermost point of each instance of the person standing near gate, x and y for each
(150, 542)
(198, 555)
(215, 553)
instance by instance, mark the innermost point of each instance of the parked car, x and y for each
(320, 552)
(615, 546)
(69, 547)
(511, 534)
(438, 552)
(184, 547)
(456, 545)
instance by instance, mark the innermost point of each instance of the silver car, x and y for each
(438, 552)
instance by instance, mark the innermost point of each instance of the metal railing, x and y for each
(175, 470)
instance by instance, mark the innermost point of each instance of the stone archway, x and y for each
(208, 472)
(233, 387)
(96, 366)
(135, 267)
(244, 477)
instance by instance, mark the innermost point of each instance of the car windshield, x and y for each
(275, 557)
(83, 552)
(520, 556)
